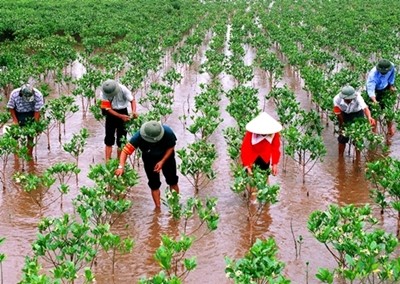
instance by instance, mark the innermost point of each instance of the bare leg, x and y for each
(358, 155)
(390, 128)
(374, 128)
(30, 147)
(30, 151)
(108, 153)
(156, 197)
(175, 187)
(118, 152)
(342, 147)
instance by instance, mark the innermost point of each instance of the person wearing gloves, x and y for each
(115, 99)
(347, 106)
(25, 104)
(380, 82)
(157, 145)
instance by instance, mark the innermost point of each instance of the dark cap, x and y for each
(384, 66)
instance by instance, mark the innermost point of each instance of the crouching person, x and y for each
(347, 106)
(157, 144)
(25, 104)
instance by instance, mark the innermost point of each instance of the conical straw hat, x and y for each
(263, 124)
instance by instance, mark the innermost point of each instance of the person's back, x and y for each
(115, 99)
(156, 149)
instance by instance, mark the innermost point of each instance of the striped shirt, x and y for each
(19, 104)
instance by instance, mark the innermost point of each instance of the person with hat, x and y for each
(347, 106)
(115, 99)
(380, 81)
(25, 104)
(157, 145)
(261, 145)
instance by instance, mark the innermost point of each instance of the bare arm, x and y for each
(133, 108)
(36, 115)
(340, 119)
(369, 117)
(124, 117)
(126, 151)
(274, 170)
(373, 98)
(159, 165)
(14, 115)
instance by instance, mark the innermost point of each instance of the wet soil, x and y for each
(330, 181)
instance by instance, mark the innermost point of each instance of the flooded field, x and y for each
(331, 181)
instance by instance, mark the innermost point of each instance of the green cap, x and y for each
(110, 88)
(348, 93)
(384, 66)
(152, 131)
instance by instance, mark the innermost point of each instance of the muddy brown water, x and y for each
(328, 182)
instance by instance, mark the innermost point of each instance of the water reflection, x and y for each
(330, 181)
(350, 183)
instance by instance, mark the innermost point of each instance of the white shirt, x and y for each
(121, 100)
(355, 105)
(257, 138)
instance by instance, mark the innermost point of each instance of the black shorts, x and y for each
(168, 170)
(24, 117)
(262, 165)
(115, 124)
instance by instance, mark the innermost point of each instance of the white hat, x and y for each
(263, 124)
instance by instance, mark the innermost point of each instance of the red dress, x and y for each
(269, 152)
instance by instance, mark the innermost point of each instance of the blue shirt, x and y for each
(378, 81)
(154, 150)
(20, 104)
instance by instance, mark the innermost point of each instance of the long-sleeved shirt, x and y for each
(269, 152)
(378, 81)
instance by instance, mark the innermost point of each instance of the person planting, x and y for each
(380, 83)
(347, 106)
(115, 99)
(25, 104)
(261, 145)
(157, 144)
